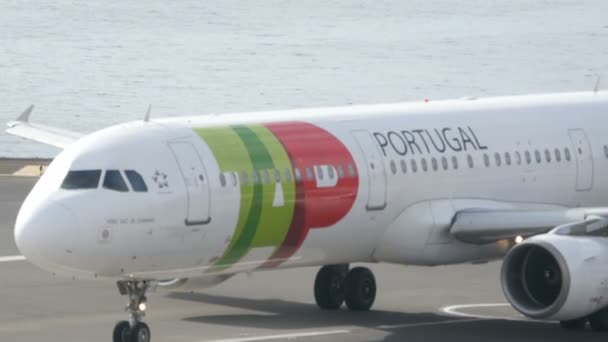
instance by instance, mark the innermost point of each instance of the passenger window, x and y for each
(497, 158)
(403, 166)
(244, 178)
(393, 167)
(309, 174)
(297, 174)
(414, 166)
(486, 159)
(434, 163)
(256, 177)
(340, 172)
(137, 181)
(455, 162)
(288, 175)
(508, 158)
(425, 166)
(558, 155)
(528, 157)
(538, 157)
(444, 162)
(222, 180)
(330, 172)
(470, 161)
(319, 172)
(81, 179)
(548, 156)
(113, 181)
(518, 157)
(233, 178)
(351, 170)
(277, 176)
(567, 154)
(266, 176)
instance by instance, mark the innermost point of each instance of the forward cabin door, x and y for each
(196, 180)
(584, 159)
(376, 199)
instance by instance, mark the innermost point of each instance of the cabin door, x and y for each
(376, 199)
(196, 181)
(584, 159)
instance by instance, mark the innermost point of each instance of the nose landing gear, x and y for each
(133, 330)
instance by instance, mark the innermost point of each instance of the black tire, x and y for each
(575, 324)
(329, 292)
(599, 321)
(360, 289)
(140, 333)
(121, 332)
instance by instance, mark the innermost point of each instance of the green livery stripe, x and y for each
(267, 206)
(278, 197)
(231, 154)
(260, 159)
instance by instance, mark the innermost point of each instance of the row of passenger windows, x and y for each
(330, 172)
(113, 180)
(497, 160)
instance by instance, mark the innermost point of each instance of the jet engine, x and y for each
(557, 276)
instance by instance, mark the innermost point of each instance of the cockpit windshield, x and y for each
(136, 180)
(113, 181)
(81, 179)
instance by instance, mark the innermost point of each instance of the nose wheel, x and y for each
(133, 330)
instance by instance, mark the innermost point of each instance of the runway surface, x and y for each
(275, 306)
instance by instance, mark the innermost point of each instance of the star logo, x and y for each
(160, 178)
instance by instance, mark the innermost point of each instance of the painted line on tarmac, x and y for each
(12, 258)
(456, 311)
(283, 336)
(426, 324)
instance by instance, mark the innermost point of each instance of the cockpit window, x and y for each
(81, 179)
(113, 181)
(136, 180)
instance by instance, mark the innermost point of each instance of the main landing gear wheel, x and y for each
(575, 324)
(133, 330)
(359, 289)
(329, 293)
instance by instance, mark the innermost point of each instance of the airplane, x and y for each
(188, 202)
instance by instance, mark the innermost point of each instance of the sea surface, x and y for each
(91, 64)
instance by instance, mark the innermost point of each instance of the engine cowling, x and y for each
(557, 277)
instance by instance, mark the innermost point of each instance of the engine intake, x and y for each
(536, 279)
(557, 277)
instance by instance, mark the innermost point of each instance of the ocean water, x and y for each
(91, 64)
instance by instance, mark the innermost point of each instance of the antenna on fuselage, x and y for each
(147, 117)
(597, 84)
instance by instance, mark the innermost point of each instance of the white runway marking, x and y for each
(455, 310)
(426, 324)
(12, 258)
(283, 336)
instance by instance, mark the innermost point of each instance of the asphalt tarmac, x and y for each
(268, 306)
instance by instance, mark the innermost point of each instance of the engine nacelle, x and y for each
(557, 277)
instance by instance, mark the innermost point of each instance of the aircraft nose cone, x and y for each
(42, 234)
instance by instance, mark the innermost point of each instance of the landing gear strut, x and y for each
(133, 330)
(335, 284)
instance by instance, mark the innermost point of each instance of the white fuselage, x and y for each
(199, 214)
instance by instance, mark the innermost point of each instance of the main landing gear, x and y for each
(133, 330)
(336, 284)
